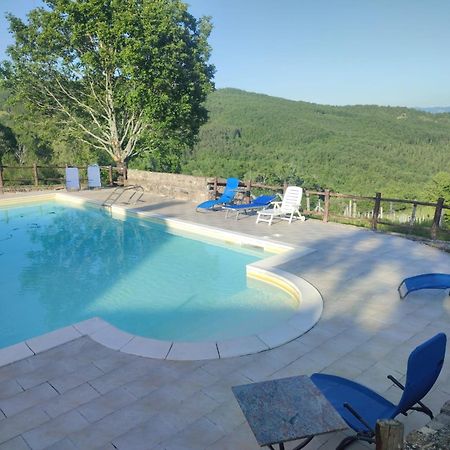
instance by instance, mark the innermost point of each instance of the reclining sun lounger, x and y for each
(286, 209)
(72, 179)
(225, 199)
(93, 173)
(424, 281)
(256, 204)
(361, 407)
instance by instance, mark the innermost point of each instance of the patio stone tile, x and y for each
(151, 432)
(100, 433)
(9, 388)
(22, 422)
(343, 369)
(53, 431)
(223, 367)
(103, 405)
(15, 369)
(301, 366)
(376, 379)
(71, 380)
(43, 374)
(53, 339)
(16, 443)
(227, 416)
(111, 337)
(150, 348)
(241, 346)
(278, 336)
(193, 350)
(240, 438)
(122, 375)
(113, 359)
(90, 326)
(162, 399)
(192, 408)
(26, 399)
(70, 400)
(221, 391)
(63, 444)
(201, 434)
(141, 387)
(14, 353)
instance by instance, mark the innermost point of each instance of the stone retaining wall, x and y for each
(183, 187)
(435, 435)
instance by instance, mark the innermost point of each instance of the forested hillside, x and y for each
(354, 149)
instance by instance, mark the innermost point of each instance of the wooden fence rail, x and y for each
(374, 218)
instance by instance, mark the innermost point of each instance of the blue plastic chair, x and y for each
(226, 198)
(424, 281)
(361, 407)
(258, 203)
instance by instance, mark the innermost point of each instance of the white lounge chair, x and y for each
(72, 179)
(93, 173)
(284, 210)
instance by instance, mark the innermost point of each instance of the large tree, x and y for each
(8, 142)
(123, 75)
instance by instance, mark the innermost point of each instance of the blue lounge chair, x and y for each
(424, 281)
(256, 204)
(225, 199)
(361, 407)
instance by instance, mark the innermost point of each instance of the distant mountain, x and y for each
(350, 149)
(436, 109)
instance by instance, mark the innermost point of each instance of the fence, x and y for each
(344, 208)
(37, 176)
(425, 218)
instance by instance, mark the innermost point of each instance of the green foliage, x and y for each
(439, 186)
(8, 143)
(350, 149)
(122, 76)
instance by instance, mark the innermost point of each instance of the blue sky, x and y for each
(387, 52)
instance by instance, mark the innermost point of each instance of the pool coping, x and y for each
(267, 270)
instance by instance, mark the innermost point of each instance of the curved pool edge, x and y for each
(267, 270)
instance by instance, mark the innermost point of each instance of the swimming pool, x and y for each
(62, 264)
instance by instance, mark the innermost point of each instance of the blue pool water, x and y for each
(60, 265)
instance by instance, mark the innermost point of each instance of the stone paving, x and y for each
(84, 396)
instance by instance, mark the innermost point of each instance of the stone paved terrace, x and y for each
(82, 395)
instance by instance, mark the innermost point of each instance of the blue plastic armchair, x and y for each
(424, 281)
(361, 407)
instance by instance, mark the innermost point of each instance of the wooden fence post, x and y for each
(110, 173)
(248, 196)
(376, 210)
(413, 215)
(326, 206)
(389, 435)
(437, 218)
(35, 174)
(308, 201)
(215, 188)
(1, 179)
(285, 185)
(125, 172)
